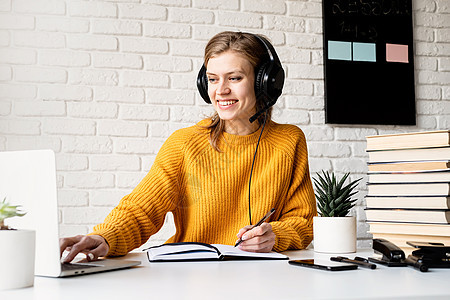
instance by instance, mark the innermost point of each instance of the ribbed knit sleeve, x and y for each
(293, 229)
(142, 213)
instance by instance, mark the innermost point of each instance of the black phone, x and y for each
(309, 263)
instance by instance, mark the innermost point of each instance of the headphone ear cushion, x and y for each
(202, 84)
(260, 75)
(276, 82)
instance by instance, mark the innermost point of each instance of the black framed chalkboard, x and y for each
(369, 62)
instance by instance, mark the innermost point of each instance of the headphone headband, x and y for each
(270, 50)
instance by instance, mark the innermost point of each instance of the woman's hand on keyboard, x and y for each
(94, 246)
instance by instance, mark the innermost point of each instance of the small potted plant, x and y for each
(17, 251)
(334, 230)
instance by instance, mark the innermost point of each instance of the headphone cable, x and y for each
(251, 171)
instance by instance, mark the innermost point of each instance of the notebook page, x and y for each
(228, 250)
(181, 251)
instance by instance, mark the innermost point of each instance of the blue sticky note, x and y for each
(339, 50)
(364, 52)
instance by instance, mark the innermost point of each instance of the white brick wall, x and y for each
(104, 83)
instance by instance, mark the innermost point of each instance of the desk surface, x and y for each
(242, 280)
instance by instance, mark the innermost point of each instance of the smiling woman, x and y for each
(201, 173)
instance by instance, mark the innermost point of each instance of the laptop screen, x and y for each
(28, 178)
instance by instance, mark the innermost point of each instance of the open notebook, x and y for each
(189, 251)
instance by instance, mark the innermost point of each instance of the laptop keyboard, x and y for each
(70, 267)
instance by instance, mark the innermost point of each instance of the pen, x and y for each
(259, 223)
(357, 261)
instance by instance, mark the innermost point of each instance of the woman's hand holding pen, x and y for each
(257, 239)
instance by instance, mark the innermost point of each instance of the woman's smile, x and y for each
(226, 103)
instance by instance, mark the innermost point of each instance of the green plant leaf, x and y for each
(333, 198)
(9, 211)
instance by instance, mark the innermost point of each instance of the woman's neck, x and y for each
(241, 128)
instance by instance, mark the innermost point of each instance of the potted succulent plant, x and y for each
(334, 230)
(17, 251)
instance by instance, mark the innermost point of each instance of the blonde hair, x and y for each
(251, 47)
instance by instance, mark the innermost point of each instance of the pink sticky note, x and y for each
(397, 53)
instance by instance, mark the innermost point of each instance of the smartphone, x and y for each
(309, 263)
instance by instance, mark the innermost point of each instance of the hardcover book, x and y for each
(409, 189)
(412, 202)
(413, 166)
(408, 216)
(410, 228)
(403, 155)
(425, 139)
(401, 240)
(190, 251)
(409, 177)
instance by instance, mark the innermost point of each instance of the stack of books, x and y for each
(409, 187)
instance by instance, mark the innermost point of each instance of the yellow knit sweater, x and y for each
(207, 190)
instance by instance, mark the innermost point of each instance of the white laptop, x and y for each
(28, 178)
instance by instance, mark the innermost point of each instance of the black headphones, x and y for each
(269, 79)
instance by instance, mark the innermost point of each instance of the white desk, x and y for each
(242, 280)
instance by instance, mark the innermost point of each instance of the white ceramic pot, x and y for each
(17, 253)
(334, 234)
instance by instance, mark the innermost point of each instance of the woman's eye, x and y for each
(235, 78)
(211, 80)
